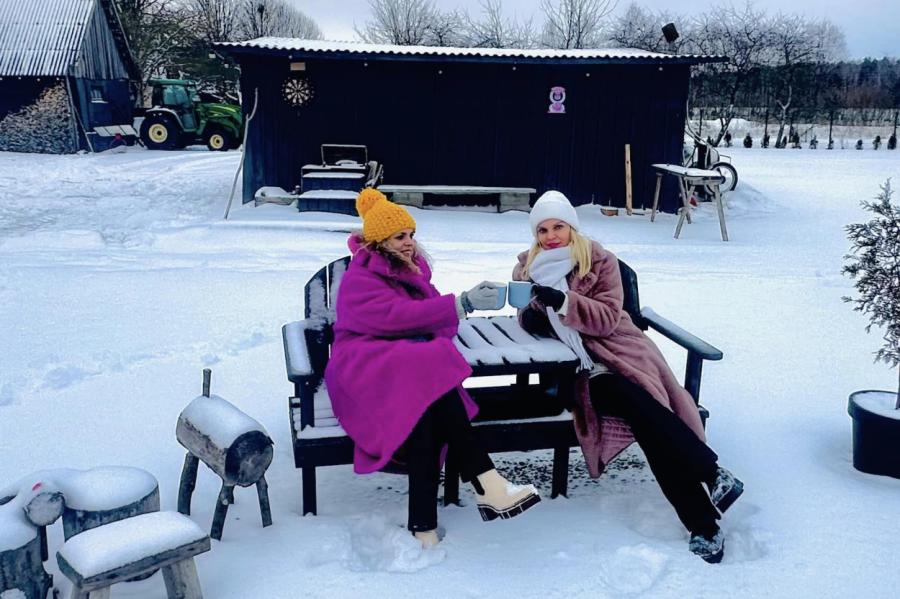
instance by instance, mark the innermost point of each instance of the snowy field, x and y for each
(120, 282)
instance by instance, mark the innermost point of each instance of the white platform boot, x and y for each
(501, 498)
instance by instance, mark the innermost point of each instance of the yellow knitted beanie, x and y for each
(381, 218)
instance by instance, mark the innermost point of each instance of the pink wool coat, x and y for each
(392, 356)
(610, 336)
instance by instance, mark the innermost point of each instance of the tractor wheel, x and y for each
(160, 132)
(218, 139)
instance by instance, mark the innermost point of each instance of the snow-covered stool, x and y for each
(99, 558)
(232, 444)
(23, 543)
(105, 494)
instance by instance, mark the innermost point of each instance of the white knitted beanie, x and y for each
(552, 204)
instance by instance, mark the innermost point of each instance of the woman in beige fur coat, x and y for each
(625, 391)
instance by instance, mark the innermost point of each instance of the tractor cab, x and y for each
(179, 96)
(180, 117)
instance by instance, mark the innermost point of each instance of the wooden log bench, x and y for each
(522, 416)
(505, 198)
(99, 558)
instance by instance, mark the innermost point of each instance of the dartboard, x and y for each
(297, 91)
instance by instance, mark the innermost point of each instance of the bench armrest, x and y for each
(690, 342)
(296, 354)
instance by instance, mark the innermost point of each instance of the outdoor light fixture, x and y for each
(670, 33)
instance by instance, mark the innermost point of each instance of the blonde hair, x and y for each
(581, 254)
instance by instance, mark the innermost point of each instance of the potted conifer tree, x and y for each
(875, 267)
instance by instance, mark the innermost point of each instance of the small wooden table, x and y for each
(688, 180)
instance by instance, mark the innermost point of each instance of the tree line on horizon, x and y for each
(783, 65)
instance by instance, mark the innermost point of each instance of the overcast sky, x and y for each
(872, 27)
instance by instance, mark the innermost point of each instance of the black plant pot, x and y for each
(876, 432)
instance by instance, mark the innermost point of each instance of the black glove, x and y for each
(535, 322)
(550, 297)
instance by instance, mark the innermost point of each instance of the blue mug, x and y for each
(519, 293)
(501, 295)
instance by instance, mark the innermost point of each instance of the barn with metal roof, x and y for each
(467, 116)
(66, 75)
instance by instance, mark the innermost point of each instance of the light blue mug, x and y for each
(501, 295)
(519, 293)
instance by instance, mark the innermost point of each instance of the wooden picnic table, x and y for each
(689, 179)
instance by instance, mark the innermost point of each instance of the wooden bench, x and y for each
(522, 416)
(98, 558)
(506, 198)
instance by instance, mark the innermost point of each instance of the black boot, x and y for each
(709, 547)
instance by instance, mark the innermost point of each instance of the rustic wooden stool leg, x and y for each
(77, 593)
(181, 580)
(45, 551)
(103, 593)
(688, 191)
(231, 496)
(188, 482)
(218, 522)
(262, 491)
(451, 480)
(308, 474)
(721, 211)
(656, 197)
(560, 472)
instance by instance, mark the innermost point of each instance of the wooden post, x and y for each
(188, 482)
(628, 207)
(207, 375)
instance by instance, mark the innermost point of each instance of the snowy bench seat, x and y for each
(506, 198)
(98, 558)
(521, 416)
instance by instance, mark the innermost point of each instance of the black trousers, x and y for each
(445, 422)
(678, 459)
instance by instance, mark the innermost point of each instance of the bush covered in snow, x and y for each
(875, 266)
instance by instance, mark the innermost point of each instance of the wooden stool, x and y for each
(98, 558)
(232, 444)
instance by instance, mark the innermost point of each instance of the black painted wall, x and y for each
(476, 123)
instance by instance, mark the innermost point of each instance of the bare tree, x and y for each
(639, 28)
(495, 30)
(276, 18)
(155, 30)
(574, 23)
(216, 20)
(400, 22)
(795, 42)
(741, 35)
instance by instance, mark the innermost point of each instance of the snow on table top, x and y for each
(499, 340)
(334, 194)
(120, 543)
(220, 419)
(692, 173)
(332, 175)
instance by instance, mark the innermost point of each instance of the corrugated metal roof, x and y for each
(40, 38)
(304, 46)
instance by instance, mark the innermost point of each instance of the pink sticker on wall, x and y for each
(557, 100)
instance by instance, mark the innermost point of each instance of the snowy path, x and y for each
(119, 282)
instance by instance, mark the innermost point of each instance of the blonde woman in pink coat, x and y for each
(625, 391)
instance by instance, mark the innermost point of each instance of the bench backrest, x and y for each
(321, 298)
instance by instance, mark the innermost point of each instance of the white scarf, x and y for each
(550, 268)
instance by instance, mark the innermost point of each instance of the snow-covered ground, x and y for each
(119, 282)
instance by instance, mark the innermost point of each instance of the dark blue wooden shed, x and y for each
(547, 119)
(66, 75)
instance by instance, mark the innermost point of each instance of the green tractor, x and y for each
(180, 118)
